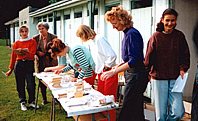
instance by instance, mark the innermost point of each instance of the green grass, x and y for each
(9, 101)
(2, 42)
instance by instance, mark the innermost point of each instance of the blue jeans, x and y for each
(168, 105)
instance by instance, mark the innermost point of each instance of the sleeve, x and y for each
(67, 68)
(62, 60)
(13, 57)
(107, 52)
(79, 55)
(184, 56)
(32, 49)
(150, 54)
(134, 47)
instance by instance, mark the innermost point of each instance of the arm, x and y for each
(31, 50)
(12, 61)
(150, 54)
(62, 62)
(184, 56)
(79, 55)
(108, 74)
(107, 52)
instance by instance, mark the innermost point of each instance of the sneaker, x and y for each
(23, 106)
(45, 102)
(33, 105)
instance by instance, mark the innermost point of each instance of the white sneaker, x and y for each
(23, 106)
(33, 105)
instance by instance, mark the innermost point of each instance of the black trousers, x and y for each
(24, 78)
(136, 83)
(194, 109)
(43, 90)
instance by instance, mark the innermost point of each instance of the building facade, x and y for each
(65, 16)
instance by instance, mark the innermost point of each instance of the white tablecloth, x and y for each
(87, 104)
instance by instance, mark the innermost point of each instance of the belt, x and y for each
(24, 60)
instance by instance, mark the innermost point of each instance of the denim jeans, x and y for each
(168, 105)
(24, 77)
(194, 109)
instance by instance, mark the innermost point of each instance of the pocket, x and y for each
(137, 82)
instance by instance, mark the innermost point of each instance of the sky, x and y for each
(9, 10)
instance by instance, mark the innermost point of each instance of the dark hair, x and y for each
(56, 46)
(169, 11)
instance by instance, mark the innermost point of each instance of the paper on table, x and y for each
(180, 83)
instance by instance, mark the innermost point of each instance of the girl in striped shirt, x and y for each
(79, 56)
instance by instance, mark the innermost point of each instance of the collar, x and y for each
(26, 39)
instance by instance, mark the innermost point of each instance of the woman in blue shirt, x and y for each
(133, 66)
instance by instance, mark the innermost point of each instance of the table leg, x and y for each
(92, 117)
(52, 109)
(77, 117)
(108, 116)
(36, 98)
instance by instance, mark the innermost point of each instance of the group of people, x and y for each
(166, 58)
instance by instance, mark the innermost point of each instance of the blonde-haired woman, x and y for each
(133, 66)
(104, 58)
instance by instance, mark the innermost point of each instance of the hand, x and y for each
(19, 51)
(8, 73)
(72, 79)
(107, 74)
(58, 71)
(36, 57)
(182, 74)
(40, 53)
(47, 69)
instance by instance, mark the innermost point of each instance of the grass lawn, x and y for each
(9, 101)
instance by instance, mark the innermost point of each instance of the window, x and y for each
(39, 19)
(45, 18)
(66, 16)
(95, 12)
(58, 18)
(50, 17)
(78, 14)
(140, 4)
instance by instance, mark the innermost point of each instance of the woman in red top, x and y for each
(22, 62)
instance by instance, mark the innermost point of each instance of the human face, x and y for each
(42, 30)
(169, 23)
(24, 33)
(117, 25)
(63, 52)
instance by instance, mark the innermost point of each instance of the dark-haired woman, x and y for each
(79, 56)
(167, 57)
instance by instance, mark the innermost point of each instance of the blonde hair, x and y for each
(85, 32)
(119, 13)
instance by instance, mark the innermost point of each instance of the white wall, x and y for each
(186, 22)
